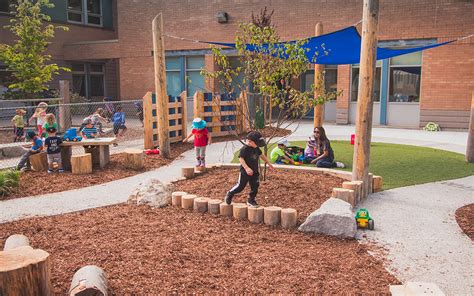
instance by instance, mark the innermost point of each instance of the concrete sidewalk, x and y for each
(418, 228)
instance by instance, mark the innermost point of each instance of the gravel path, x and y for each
(418, 228)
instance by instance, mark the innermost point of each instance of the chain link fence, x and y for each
(67, 116)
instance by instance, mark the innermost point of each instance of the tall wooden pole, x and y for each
(318, 74)
(360, 169)
(160, 86)
(470, 135)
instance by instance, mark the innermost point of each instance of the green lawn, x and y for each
(404, 165)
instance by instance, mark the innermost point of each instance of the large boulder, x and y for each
(152, 192)
(334, 217)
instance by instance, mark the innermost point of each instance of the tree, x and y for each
(26, 58)
(268, 70)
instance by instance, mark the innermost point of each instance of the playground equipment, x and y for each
(71, 135)
(364, 220)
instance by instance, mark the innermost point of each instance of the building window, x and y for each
(355, 82)
(174, 81)
(330, 78)
(88, 80)
(88, 12)
(5, 6)
(194, 79)
(405, 78)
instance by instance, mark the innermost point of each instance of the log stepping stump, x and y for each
(377, 184)
(89, 280)
(255, 214)
(187, 201)
(289, 218)
(370, 184)
(344, 194)
(39, 161)
(200, 169)
(25, 271)
(81, 164)
(213, 206)
(187, 172)
(200, 204)
(15, 241)
(226, 210)
(356, 186)
(239, 211)
(134, 159)
(176, 198)
(271, 215)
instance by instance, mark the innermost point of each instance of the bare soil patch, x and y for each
(303, 191)
(465, 219)
(150, 251)
(35, 183)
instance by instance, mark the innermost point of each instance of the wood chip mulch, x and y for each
(35, 183)
(465, 219)
(303, 191)
(147, 251)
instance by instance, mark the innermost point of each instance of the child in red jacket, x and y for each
(202, 138)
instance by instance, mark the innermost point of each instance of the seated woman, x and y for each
(325, 156)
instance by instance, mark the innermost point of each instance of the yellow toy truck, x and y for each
(364, 220)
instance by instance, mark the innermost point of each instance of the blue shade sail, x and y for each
(343, 47)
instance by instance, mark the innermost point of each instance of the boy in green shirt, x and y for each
(279, 155)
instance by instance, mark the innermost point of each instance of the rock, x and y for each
(152, 192)
(334, 217)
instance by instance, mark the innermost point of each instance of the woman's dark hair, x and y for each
(322, 133)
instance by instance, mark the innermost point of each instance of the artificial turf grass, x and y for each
(403, 165)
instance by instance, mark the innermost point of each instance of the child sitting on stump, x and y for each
(249, 162)
(36, 147)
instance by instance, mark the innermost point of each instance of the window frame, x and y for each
(357, 66)
(389, 78)
(85, 15)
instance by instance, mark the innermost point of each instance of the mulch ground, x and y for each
(149, 251)
(465, 219)
(303, 191)
(35, 183)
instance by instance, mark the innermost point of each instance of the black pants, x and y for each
(242, 182)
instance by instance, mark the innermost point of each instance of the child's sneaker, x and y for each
(198, 164)
(228, 199)
(203, 163)
(339, 164)
(50, 171)
(251, 202)
(61, 171)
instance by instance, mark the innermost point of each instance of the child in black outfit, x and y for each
(249, 162)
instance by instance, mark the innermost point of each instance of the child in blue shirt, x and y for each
(36, 147)
(119, 123)
(89, 131)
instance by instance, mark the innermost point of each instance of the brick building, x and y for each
(109, 48)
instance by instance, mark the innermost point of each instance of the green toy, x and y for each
(364, 220)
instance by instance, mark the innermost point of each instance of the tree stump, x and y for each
(81, 164)
(358, 193)
(353, 185)
(239, 211)
(25, 271)
(187, 201)
(369, 185)
(289, 218)
(200, 204)
(213, 206)
(187, 172)
(377, 183)
(255, 214)
(39, 161)
(134, 159)
(346, 195)
(272, 215)
(200, 169)
(226, 210)
(176, 198)
(89, 280)
(15, 241)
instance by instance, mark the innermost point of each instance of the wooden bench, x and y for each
(98, 148)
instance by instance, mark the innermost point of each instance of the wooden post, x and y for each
(470, 135)
(318, 74)
(160, 86)
(39, 161)
(134, 159)
(187, 201)
(184, 114)
(81, 164)
(271, 215)
(289, 218)
(64, 108)
(198, 104)
(360, 170)
(25, 271)
(245, 112)
(239, 211)
(176, 198)
(148, 120)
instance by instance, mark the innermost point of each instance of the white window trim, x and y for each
(84, 14)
